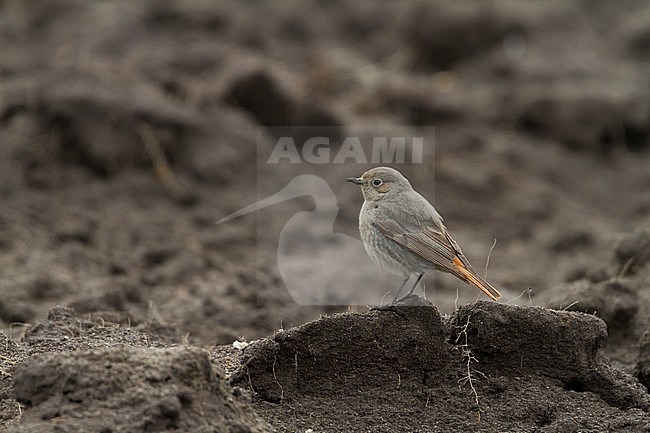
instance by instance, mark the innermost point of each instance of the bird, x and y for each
(404, 234)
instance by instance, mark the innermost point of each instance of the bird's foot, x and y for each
(410, 300)
(395, 309)
(406, 301)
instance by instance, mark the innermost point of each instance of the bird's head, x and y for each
(381, 183)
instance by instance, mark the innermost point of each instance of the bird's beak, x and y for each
(356, 180)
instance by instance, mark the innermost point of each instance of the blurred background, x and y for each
(127, 129)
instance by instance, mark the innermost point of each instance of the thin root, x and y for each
(469, 358)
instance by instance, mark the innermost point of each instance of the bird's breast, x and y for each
(385, 253)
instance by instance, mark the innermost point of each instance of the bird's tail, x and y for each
(471, 276)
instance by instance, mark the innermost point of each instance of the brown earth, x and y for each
(128, 128)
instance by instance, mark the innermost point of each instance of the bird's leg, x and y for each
(391, 306)
(399, 291)
(410, 293)
(415, 285)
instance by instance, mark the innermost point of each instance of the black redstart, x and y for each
(404, 234)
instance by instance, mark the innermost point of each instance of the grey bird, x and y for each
(404, 234)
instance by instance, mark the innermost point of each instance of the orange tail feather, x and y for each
(479, 282)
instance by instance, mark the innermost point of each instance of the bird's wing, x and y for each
(429, 243)
(434, 244)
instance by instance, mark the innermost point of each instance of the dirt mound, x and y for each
(100, 119)
(407, 369)
(622, 301)
(258, 91)
(585, 121)
(633, 252)
(616, 301)
(517, 338)
(441, 34)
(95, 375)
(334, 352)
(10, 355)
(66, 331)
(129, 389)
(555, 344)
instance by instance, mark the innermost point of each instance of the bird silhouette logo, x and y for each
(317, 265)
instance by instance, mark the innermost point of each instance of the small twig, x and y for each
(278, 382)
(155, 151)
(521, 295)
(384, 297)
(626, 267)
(487, 262)
(250, 381)
(161, 164)
(570, 305)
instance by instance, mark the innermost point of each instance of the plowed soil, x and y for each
(127, 129)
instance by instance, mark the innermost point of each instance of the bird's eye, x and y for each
(377, 183)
